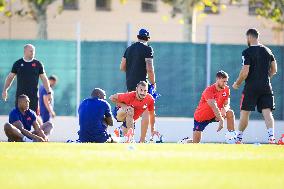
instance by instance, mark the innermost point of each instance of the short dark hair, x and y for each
(222, 74)
(22, 96)
(253, 32)
(97, 92)
(142, 83)
(52, 77)
(144, 38)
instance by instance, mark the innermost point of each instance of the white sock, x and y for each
(270, 132)
(26, 139)
(240, 135)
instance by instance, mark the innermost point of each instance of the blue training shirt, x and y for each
(91, 114)
(43, 111)
(27, 119)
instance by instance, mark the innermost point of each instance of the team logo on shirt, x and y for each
(145, 106)
(22, 65)
(29, 118)
(33, 65)
(224, 94)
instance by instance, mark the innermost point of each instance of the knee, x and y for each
(49, 125)
(230, 114)
(7, 127)
(130, 112)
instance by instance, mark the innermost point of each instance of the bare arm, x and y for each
(109, 121)
(45, 82)
(8, 82)
(19, 125)
(114, 99)
(242, 76)
(213, 105)
(273, 69)
(152, 120)
(123, 64)
(218, 115)
(39, 131)
(150, 70)
(48, 106)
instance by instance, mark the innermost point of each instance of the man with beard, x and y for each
(214, 106)
(259, 66)
(131, 105)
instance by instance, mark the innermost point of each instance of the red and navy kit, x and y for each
(204, 114)
(27, 119)
(139, 105)
(27, 80)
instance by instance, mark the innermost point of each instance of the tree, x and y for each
(36, 9)
(270, 9)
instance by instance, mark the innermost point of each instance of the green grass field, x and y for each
(59, 165)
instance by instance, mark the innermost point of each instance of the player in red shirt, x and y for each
(133, 104)
(214, 106)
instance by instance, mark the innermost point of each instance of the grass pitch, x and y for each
(79, 166)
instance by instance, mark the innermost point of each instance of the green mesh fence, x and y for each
(180, 70)
(58, 57)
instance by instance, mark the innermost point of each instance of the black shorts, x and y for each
(250, 100)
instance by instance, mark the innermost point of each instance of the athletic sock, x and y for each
(240, 136)
(26, 139)
(270, 132)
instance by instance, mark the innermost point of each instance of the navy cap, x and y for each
(144, 33)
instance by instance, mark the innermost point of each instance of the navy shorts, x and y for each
(98, 138)
(200, 126)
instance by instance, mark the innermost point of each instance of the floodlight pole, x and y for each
(128, 34)
(78, 95)
(208, 55)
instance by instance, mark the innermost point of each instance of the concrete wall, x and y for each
(173, 129)
(229, 26)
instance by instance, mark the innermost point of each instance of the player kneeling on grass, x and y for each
(94, 118)
(214, 106)
(20, 121)
(131, 105)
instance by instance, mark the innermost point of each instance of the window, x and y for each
(253, 5)
(214, 9)
(149, 5)
(70, 4)
(103, 5)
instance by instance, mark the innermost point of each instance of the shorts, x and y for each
(200, 126)
(45, 116)
(98, 138)
(114, 113)
(262, 101)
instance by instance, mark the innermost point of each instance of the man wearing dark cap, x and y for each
(137, 62)
(94, 117)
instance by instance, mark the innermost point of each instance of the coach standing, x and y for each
(259, 65)
(137, 62)
(28, 70)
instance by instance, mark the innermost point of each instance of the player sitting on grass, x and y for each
(214, 106)
(131, 105)
(94, 118)
(20, 121)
